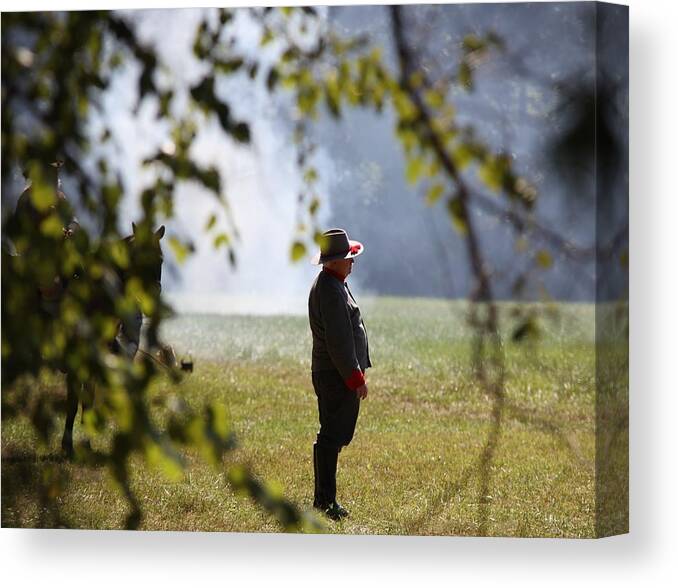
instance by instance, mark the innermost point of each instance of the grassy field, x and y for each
(416, 463)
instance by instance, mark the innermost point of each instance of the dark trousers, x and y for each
(338, 408)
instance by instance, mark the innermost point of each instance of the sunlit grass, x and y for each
(413, 467)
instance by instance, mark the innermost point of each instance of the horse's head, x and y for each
(146, 255)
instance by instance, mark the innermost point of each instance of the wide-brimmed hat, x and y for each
(335, 244)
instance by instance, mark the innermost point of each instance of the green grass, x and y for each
(415, 465)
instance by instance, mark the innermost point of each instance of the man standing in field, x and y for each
(338, 363)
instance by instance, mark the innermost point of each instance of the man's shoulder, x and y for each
(327, 286)
(327, 282)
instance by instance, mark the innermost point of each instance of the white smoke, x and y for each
(262, 180)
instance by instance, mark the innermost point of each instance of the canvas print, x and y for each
(357, 270)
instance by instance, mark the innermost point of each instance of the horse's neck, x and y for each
(128, 242)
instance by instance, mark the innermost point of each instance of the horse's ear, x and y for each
(160, 233)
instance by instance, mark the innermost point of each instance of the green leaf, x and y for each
(42, 195)
(219, 420)
(221, 240)
(170, 465)
(405, 107)
(120, 254)
(407, 137)
(211, 221)
(543, 259)
(462, 155)
(310, 176)
(292, 54)
(298, 251)
(179, 249)
(455, 209)
(307, 99)
(51, 226)
(135, 292)
(211, 179)
(229, 66)
(434, 193)
(493, 172)
(333, 95)
(164, 101)
(237, 476)
(465, 76)
(434, 98)
(267, 37)
(205, 96)
(272, 79)
(415, 167)
(241, 132)
(472, 43)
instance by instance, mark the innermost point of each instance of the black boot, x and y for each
(326, 464)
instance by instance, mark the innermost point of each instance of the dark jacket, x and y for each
(339, 335)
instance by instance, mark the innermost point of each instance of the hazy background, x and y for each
(517, 106)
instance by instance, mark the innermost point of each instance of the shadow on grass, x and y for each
(24, 458)
(30, 484)
(33, 483)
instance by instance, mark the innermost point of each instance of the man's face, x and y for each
(348, 265)
(342, 266)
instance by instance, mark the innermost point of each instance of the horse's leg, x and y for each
(87, 402)
(71, 410)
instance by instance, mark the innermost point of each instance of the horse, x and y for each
(146, 260)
